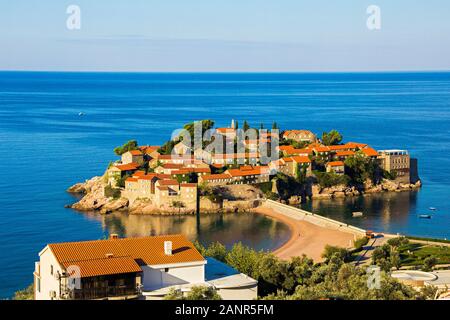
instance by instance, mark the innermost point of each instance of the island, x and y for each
(245, 166)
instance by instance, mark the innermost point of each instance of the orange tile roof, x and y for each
(131, 180)
(168, 182)
(104, 266)
(149, 176)
(356, 144)
(301, 151)
(322, 149)
(242, 173)
(127, 167)
(188, 185)
(288, 159)
(136, 152)
(370, 152)
(139, 173)
(301, 159)
(219, 176)
(345, 153)
(286, 148)
(340, 147)
(144, 250)
(175, 157)
(336, 163)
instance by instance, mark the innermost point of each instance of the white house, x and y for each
(132, 268)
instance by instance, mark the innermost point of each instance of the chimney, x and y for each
(114, 236)
(168, 248)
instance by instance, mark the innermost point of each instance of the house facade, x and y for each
(132, 268)
(396, 162)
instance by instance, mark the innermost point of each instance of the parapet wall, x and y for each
(299, 214)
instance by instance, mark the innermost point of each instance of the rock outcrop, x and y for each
(94, 198)
(341, 191)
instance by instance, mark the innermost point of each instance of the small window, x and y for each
(166, 269)
(38, 284)
(51, 269)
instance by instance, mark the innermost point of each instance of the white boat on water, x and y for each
(357, 214)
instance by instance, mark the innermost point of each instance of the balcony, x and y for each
(104, 293)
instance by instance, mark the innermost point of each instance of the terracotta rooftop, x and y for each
(104, 266)
(301, 159)
(345, 153)
(168, 182)
(336, 163)
(102, 257)
(188, 185)
(370, 152)
(135, 152)
(219, 176)
(254, 171)
(127, 167)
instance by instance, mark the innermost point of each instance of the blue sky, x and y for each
(225, 35)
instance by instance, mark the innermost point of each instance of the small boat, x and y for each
(80, 114)
(432, 208)
(424, 216)
(357, 214)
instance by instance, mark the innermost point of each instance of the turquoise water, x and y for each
(47, 147)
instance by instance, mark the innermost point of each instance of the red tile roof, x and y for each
(257, 170)
(219, 176)
(136, 152)
(301, 159)
(335, 163)
(169, 182)
(188, 185)
(104, 266)
(127, 167)
(103, 255)
(370, 152)
(345, 153)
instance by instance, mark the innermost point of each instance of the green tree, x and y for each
(245, 126)
(130, 145)
(429, 263)
(25, 294)
(331, 138)
(331, 251)
(196, 293)
(274, 125)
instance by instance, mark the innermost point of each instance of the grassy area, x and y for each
(415, 253)
(428, 239)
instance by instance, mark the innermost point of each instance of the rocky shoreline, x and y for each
(94, 200)
(240, 198)
(342, 191)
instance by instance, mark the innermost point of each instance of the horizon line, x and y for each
(231, 72)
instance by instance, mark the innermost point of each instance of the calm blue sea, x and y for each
(46, 146)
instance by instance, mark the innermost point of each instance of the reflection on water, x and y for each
(382, 212)
(254, 230)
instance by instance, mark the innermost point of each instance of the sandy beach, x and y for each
(306, 238)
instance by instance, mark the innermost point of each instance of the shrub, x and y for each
(130, 145)
(111, 192)
(330, 179)
(361, 242)
(25, 294)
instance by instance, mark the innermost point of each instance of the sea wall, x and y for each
(299, 214)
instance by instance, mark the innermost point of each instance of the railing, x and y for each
(101, 293)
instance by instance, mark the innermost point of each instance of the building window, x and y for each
(51, 269)
(166, 269)
(38, 284)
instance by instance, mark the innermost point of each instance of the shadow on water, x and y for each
(257, 231)
(381, 212)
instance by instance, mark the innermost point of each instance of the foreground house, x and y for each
(132, 268)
